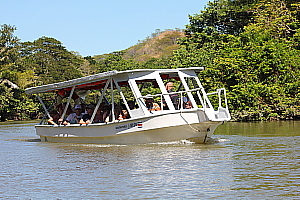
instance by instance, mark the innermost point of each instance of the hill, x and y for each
(159, 45)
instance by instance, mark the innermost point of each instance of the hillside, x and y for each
(159, 45)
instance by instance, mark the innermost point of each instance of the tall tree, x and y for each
(258, 63)
(13, 102)
(50, 61)
(9, 46)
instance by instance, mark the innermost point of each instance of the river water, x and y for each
(244, 161)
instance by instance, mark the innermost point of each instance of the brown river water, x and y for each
(244, 161)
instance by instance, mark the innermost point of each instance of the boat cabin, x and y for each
(170, 90)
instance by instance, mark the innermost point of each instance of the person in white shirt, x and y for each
(74, 118)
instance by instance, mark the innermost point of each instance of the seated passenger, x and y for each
(54, 117)
(187, 104)
(174, 97)
(117, 113)
(87, 117)
(151, 106)
(125, 113)
(101, 113)
(62, 107)
(74, 118)
(83, 106)
(131, 105)
(61, 110)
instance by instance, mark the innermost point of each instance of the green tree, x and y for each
(9, 46)
(13, 102)
(258, 63)
(27, 64)
(50, 61)
(115, 61)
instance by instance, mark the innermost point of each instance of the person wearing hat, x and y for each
(74, 118)
(151, 106)
(174, 97)
(87, 117)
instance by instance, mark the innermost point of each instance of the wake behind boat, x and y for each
(162, 105)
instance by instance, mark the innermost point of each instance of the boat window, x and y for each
(195, 89)
(128, 94)
(150, 87)
(178, 94)
(114, 98)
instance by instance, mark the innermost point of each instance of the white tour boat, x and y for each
(186, 112)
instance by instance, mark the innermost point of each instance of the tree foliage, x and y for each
(27, 64)
(250, 47)
(258, 63)
(50, 61)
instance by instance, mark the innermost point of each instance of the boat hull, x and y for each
(191, 125)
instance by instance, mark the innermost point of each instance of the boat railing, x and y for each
(204, 99)
(222, 99)
(180, 97)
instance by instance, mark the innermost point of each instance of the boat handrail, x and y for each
(179, 92)
(219, 91)
(170, 93)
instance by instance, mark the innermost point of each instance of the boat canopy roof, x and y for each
(89, 82)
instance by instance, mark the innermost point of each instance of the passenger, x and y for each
(87, 117)
(74, 118)
(62, 108)
(131, 105)
(174, 97)
(101, 113)
(187, 104)
(83, 106)
(54, 117)
(61, 111)
(151, 106)
(125, 113)
(106, 112)
(117, 113)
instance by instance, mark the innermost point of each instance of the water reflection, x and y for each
(265, 129)
(250, 160)
(265, 158)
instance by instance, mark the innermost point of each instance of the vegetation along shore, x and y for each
(251, 48)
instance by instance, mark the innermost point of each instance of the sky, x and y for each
(95, 27)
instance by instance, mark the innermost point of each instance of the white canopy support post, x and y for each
(41, 101)
(202, 98)
(181, 101)
(161, 102)
(68, 103)
(100, 100)
(112, 100)
(122, 95)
